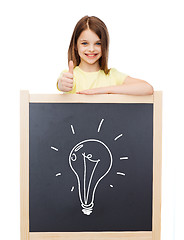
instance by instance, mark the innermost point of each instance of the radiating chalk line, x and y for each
(118, 137)
(123, 158)
(72, 189)
(54, 148)
(100, 125)
(58, 174)
(111, 186)
(120, 173)
(72, 129)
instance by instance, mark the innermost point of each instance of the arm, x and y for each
(131, 86)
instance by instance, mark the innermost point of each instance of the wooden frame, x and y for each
(25, 99)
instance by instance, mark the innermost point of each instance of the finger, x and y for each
(68, 75)
(67, 80)
(64, 84)
(69, 85)
(67, 89)
(70, 66)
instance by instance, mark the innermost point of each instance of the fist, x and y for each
(65, 82)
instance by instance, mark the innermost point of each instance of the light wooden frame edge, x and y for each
(25, 99)
(157, 165)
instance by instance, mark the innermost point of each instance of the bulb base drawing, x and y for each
(87, 209)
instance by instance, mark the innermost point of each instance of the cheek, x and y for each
(100, 49)
(81, 49)
(80, 52)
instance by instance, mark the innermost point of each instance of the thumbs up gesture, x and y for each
(65, 81)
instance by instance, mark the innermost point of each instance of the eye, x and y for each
(84, 43)
(99, 43)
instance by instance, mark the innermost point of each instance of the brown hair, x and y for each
(96, 25)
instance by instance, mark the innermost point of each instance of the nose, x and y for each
(91, 48)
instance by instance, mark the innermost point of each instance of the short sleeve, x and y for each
(118, 77)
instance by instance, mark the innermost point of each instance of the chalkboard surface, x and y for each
(105, 150)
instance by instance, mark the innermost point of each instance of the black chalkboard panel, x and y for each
(103, 149)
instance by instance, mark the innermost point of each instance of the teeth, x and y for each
(91, 55)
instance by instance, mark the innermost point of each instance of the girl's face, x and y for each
(89, 50)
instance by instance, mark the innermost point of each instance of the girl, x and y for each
(88, 64)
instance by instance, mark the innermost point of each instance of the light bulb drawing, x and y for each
(90, 160)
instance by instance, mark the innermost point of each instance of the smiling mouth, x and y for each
(91, 55)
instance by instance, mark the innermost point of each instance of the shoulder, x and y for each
(119, 77)
(117, 74)
(114, 71)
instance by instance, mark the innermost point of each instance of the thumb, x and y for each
(70, 66)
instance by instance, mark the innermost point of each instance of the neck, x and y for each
(89, 68)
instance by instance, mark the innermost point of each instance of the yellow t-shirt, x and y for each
(87, 80)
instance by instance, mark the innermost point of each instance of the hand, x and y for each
(65, 82)
(101, 90)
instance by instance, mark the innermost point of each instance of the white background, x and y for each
(146, 42)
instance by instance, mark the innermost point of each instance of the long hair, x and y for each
(98, 26)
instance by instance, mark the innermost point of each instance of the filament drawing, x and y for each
(86, 194)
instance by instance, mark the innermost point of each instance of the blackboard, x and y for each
(112, 137)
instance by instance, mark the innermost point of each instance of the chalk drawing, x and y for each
(99, 127)
(120, 173)
(77, 155)
(116, 138)
(123, 158)
(54, 148)
(72, 128)
(58, 174)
